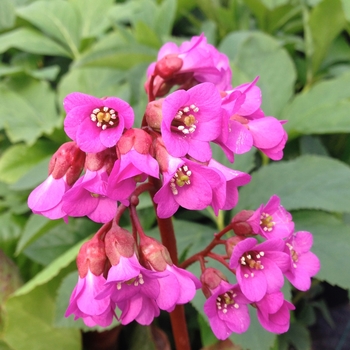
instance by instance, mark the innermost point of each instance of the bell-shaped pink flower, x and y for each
(274, 312)
(96, 124)
(259, 267)
(304, 264)
(190, 120)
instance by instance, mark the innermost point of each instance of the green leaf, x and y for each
(331, 243)
(257, 54)
(32, 311)
(32, 41)
(24, 97)
(308, 182)
(18, 159)
(330, 12)
(298, 335)
(165, 17)
(323, 109)
(7, 14)
(56, 18)
(271, 4)
(346, 9)
(94, 16)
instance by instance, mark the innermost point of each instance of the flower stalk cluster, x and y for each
(109, 163)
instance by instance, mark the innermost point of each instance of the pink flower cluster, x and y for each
(259, 270)
(111, 276)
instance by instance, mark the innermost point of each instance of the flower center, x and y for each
(225, 301)
(266, 222)
(180, 179)
(104, 117)
(293, 254)
(252, 260)
(185, 120)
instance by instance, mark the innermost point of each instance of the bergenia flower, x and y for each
(259, 267)
(274, 312)
(227, 310)
(274, 220)
(304, 264)
(190, 120)
(96, 124)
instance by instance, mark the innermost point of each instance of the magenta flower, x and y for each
(83, 303)
(88, 196)
(190, 120)
(46, 199)
(304, 264)
(96, 124)
(189, 185)
(274, 312)
(227, 310)
(259, 267)
(273, 220)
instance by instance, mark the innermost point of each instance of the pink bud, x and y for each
(210, 279)
(67, 160)
(168, 66)
(137, 139)
(106, 159)
(119, 242)
(154, 254)
(92, 256)
(154, 114)
(240, 225)
(231, 243)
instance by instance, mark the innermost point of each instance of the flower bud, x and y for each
(106, 159)
(67, 160)
(211, 278)
(92, 256)
(136, 139)
(240, 224)
(154, 114)
(167, 66)
(231, 243)
(119, 242)
(154, 254)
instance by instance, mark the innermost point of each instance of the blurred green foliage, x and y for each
(49, 48)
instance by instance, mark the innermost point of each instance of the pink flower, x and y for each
(259, 267)
(304, 264)
(227, 310)
(274, 312)
(84, 305)
(273, 220)
(190, 120)
(96, 124)
(193, 62)
(88, 196)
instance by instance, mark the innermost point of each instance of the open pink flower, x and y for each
(274, 312)
(84, 305)
(259, 267)
(190, 120)
(96, 124)
(227, 310)
(304, 264)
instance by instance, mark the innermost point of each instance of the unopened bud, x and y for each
(167, 66)
(231, 243)
(137, 139)
(106, 159)
(210, 279)
(154, 254)
(119, 242)
(154, 114)
(240, 224)
(67, 160)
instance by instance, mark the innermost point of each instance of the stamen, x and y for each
(102, 117)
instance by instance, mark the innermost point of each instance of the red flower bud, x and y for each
(67, 160)
(106, 158)
(231, 243)
(168, 66)
(240, 225)
(210, 279)
(134, 138)
(154, 114)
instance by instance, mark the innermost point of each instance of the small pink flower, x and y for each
(274, 312)
(84, 305)
(227, 310)
(273, 220)
(96, 124)
(259, 267)
(190, 120)
(304, 264)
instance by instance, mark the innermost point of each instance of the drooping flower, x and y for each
(193, 62)
(259, 267)
(190, 120)
(274, 312)
(226, 306)
(96, 124)
(304, 264)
